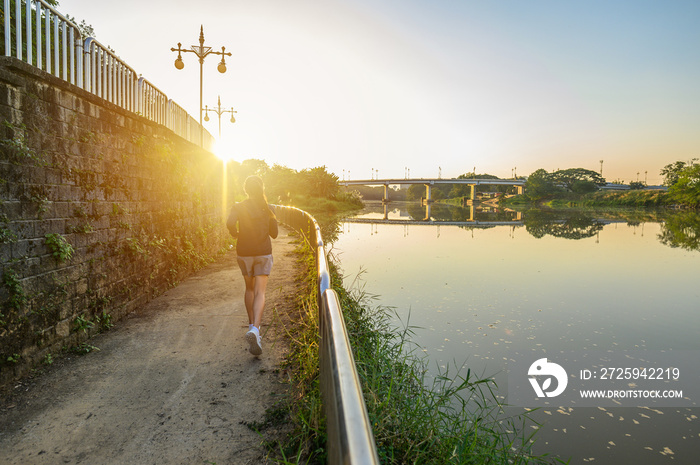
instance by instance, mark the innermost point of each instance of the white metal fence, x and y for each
(36, 33)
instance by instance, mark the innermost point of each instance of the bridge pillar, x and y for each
(386, 193)
(519, 189)
(428, 211)
(472, 191)
(428, 193)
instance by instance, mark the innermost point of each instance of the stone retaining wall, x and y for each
(100, 211)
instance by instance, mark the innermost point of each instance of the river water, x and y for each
(476, 284)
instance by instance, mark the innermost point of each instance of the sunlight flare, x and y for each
(223, 149)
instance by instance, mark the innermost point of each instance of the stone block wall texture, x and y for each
(100, 211)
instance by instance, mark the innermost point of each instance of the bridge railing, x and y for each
(39, 35)
(349, 431)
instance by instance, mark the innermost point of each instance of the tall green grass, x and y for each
(451, 418)
(307, 442)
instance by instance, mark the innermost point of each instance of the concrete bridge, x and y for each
(431, 222)
(428, 220)
(430, 182)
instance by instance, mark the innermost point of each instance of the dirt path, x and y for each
(171, 384)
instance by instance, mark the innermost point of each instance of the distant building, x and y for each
(623, 187)
(609, 186)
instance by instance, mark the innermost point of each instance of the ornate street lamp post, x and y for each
(219, 111)
(202, 52)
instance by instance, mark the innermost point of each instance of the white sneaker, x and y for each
(255, 342)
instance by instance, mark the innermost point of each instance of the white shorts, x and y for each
(255, 266)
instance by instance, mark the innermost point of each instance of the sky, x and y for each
(440, 88)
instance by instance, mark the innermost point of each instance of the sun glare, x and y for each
(223, 150)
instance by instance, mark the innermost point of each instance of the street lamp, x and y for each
(202, 52)
(219, 111)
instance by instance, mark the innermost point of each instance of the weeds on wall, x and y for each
(6, 234)
(59, 247)
(17, 151)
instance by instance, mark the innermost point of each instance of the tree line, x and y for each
(682, 179)
(287, 186)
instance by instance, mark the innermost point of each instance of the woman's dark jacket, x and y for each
(255, 227)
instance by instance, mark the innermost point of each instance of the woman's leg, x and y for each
(255, 287)
(249, 297)
(259, 286)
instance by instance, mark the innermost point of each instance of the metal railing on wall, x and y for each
(34, 32)
(349, 431)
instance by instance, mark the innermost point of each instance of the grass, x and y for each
(306, 443)
(323, 206)
(631, 199)
(451, 418)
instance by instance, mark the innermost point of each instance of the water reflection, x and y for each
(478, 283)
(574, 225)
(679, 229)
(682, 230)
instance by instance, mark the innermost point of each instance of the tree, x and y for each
(253, 166)
(570, 176)
(686, 189)
(318, 182)
(415, 192)
(672, 171)
(637, 185)
(583, 187)
(539, 185)
(464, 190)
(281, 183)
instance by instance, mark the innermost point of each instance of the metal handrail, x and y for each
(37, 34)
(349, 431)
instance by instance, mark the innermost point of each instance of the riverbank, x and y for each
(628, 199)
(451, 418)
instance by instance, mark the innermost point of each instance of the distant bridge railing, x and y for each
(350, 439)
(36, 33)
